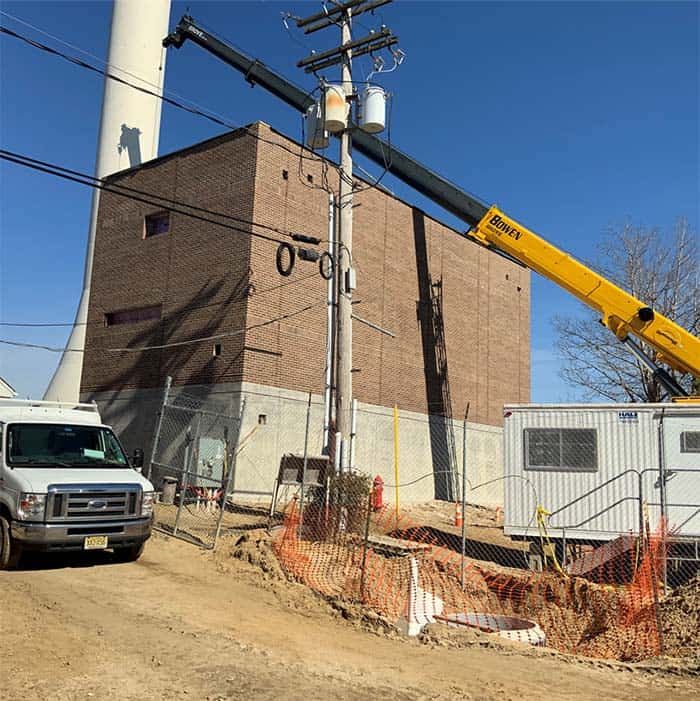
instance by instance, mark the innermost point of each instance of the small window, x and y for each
(262, 419)
(132, 316)
(217, 350)
(285, 175)
(309, 177)
(568, 449)
(690, 442)
(154, 224)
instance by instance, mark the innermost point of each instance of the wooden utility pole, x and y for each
(341, 14)
(343, 395)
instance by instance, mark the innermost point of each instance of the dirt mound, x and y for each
(256, 549)
(680, 620)
(440, 635)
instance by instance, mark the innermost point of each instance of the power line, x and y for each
(24, 22)
(139, 349)
(114, 188)
(175, 103)
(117, 186)
(37, 345)
(226, 334)
(193, 109)
(103, 184)
(253, 293)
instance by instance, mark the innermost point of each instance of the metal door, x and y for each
(681, 459)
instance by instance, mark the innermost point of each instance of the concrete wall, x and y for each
(274, 424)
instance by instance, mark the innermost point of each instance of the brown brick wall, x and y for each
(398, 253)
(197, 271)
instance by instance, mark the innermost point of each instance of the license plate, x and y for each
(95, 542)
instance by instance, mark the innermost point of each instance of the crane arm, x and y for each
(621, 312)
(438, 189)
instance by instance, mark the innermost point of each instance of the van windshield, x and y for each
(63, 445)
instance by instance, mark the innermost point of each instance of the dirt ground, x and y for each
(680, 616)
(183, 623)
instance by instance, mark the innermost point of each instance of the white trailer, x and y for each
(597, 468)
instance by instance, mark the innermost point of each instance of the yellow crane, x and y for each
(621, 312)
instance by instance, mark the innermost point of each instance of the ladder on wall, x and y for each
(444, 381)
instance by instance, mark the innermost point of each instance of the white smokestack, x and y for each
(129, 132)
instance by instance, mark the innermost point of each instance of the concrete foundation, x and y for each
(274, 424)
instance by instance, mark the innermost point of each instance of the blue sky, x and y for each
(571, 116)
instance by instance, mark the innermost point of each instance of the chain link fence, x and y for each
(413, 526)
(193, 466)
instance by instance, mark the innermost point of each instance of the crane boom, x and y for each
(422, 179)
(621, 312)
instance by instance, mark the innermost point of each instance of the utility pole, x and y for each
(343, 397)
(341, 13)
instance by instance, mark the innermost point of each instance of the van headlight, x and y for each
(31, 506)
(147, 504)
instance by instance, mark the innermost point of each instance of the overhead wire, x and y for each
(103, 184)
(237, 332)
(117, 186)
(91, 181)
(96, 183)
(39, 30)
(174, 344)
(160, 96)
(194, 109)
(254, 293)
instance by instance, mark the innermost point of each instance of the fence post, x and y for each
(159, 425)
(183, 481)
(303, 468)
(640, 505)
(231, 476)
(464, 494)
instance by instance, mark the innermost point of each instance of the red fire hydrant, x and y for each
(378, 492)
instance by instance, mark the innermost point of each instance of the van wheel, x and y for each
(129, 554)
(10, 550)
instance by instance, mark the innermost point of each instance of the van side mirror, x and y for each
(137, 458)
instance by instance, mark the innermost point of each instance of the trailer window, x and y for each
(690, 442)
(569, 449)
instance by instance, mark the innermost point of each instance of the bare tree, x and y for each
(661, 271)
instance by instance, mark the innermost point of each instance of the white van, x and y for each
(66, 483)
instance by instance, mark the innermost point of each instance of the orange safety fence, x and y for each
(413, 573)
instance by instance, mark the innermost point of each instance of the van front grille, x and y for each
(93, 502)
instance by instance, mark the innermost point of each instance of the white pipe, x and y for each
(353, 433)
(129, 131)
(338, 452)
(330, 328)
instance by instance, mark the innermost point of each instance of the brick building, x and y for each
(161, 278)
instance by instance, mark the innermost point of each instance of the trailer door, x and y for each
(681, 441)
